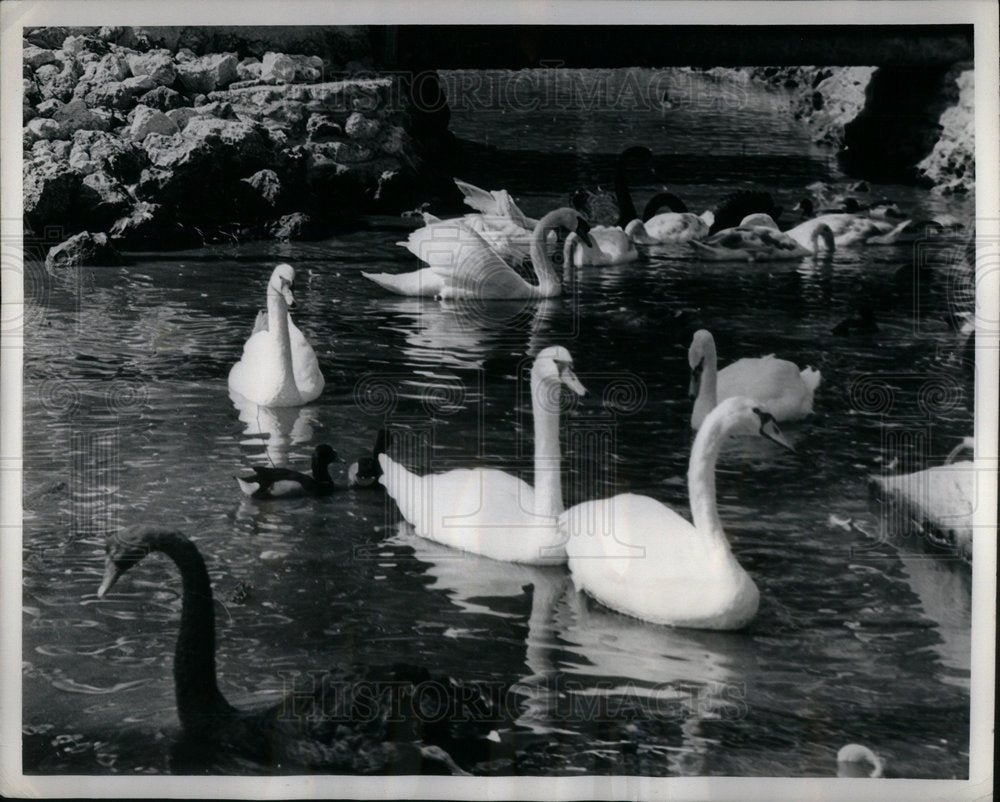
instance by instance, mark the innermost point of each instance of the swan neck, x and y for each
(200, 704)
(277, 324)
(701, 480)
(708, 391)
(548, 281)
(548, 483)
(626, 209)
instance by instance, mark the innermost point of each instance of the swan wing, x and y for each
(776, 383)
(481, 273)
(305, 366)
(481, 510)
(676, 227)
(426, 282)
(439, 243)
(497, 203)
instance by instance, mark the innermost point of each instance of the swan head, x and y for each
(855, 760)
(282, 281)
(554, 364)
(805, 206)
(741, 415)
(366, 471)
(702, 348)
(124, 551)
(570, 220)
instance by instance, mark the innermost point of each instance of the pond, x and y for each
(860, 637)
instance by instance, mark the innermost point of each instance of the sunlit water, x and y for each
(861, 637)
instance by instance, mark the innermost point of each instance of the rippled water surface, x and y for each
(127, 418)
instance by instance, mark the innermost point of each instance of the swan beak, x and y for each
(289, 298)
(570, 380)
(111, 574)
(769, 429)
(695, 385)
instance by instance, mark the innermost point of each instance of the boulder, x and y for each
(50, 37)
(249, 69)
(150, 226)
(75, 116)
(951, 163)
(208, 73)
(112, 67)
(83, 249)
(85, 43)
(122, 159)
(102, 200)
(296, 226)
(358, 126)
(321, 126)
(148, 121)
(120, 95)
(260, 195)
(164, 99)
(54, 82)
(277, 68)
(50, 189)
(42, 128)
(48, 107)
(181, 116)
(158, 65)
(35, 57)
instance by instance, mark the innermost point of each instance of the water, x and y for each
(127, 418)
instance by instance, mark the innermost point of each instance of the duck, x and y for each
(776, 385)
(267, 482)
(487, 511)
(278, 367)
(648, 562)
(758, 239)
(348, 729)
(366, 471)
(481, 274)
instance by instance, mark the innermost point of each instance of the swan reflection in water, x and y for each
(270, 432)
(579, 655)
(463, 333)
(471, 581)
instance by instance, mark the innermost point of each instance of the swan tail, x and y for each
(811, 378)
(405, 488)
(424, 282)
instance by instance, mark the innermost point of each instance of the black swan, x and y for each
(267, 482)
(360, 721)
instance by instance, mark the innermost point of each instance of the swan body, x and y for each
(481, 274)
(776, 385)
(758, 238)
(849, 230)
(268, 482)
(645, 560)
(612, 246)
(346, 729)
(487, 511)
(278, 367)
(677, 225)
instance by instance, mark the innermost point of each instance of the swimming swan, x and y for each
(777, 385)
(338, 724)
(265, 482)
(612, 246)
(677, 225)
(278, 367)
(487, 511)
(480, 273)
(639, 557)
(757, 238)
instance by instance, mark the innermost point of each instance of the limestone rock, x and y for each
(83, 249)
(148, 121)
(208, 73)
(156, 64)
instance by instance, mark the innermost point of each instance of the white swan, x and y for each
(639, 557)
(677, 225)
(777, 385)
(487, 511)
(441, 243)
(278, 367)
(857, 760)
(480, 273)
(849, 230)
(757, 238)
(612, 246)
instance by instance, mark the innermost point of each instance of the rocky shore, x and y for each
(893, 124)
(137, 136)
